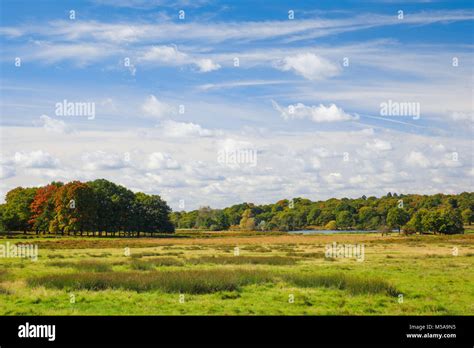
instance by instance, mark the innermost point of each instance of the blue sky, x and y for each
(306, 96)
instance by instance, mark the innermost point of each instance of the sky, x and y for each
(222, 102)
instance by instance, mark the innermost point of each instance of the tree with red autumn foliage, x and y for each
(42, 207)
(75, 208)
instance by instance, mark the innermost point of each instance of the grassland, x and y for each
(274, 274)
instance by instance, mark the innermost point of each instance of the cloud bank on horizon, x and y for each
(217, 103)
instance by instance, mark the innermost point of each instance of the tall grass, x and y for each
(3, 274)
(187, 281)
(85, 265)
(151, 263)
(355, 285)
(240, 260)
(315, 255)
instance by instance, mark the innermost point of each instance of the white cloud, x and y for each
(333, 178)
(463, 116)
(357, 180)
(80, 53)
(159, 160)
(379, 145)
(183, 129)
(206, 65)
(170, 55)
(35, 159)
(303, 29)
(418, 159)
(317, 114)
(157, 109)
(232, 145)
(309, 65)
(164, 54)
(52, 125)
(101, 160)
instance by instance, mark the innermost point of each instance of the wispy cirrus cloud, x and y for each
(215, 32)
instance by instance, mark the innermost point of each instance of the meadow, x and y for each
(240, 273)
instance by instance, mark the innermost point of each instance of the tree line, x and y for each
(76, 207)
(101, 206)
(409, 213)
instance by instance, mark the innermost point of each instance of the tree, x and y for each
(331, 225)
(415, 224)
(16, 214)
(467, 216)
(325, 216)
(114, 204)
(152, 213)
(313, 215)
(344, 219)
(443, 220)
(247, 222)
(75, 208)
(397, 217)
(42, 207)
(451, 221)
(368, 218)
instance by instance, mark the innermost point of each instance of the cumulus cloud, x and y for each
(55, 126)
(309, 65)
(170, 55)
(318, 114)
(333, 178)
(152, 107)
(35, 159)
(159, 160)
(462, 116)
(418, 159)
(184, 129)
(164, 54)
(206, 65)
(379, 145)
(101, 160)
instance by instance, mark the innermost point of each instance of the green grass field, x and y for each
(274, 274)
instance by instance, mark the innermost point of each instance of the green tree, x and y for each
(415, 224)
(344, 219)
(368, 218)
(397, 217)
(467, 216)
(16, 214)
(331, 225)
(153, 214)
(247, 222)
(115, 204)
(313, 215)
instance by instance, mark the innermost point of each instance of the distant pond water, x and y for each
(330, 231)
